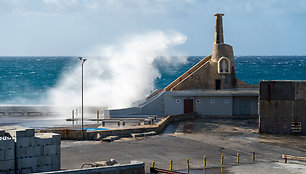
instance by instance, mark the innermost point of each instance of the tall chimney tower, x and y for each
(219, 29)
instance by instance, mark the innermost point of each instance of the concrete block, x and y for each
(300, 93)
(26, 170)
(43, 141)
(2, 157)
(17, 133)
(9, 154)
(21, 152)
(2, 132)
(10, 171)
(300, 106)
(55, 166)
(39, 151)
(43, 160)
(29, 162)
(277, 90)
(7, 165)
(58, 149)
(6, 143)
(56, 162)
(25, 141)
(30, 151)
(44, 168)
(50, 150)
(29, 132)
(56, 139)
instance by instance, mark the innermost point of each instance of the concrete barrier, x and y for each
(133, 168)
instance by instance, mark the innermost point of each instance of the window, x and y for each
(212, 101)
(178, 101)
(226, 101)
(198, 100)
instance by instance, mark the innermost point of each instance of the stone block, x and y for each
(29, 132)
(25, 141)
(9, 154)
(43, 160)
(50, 150)
(30, 151)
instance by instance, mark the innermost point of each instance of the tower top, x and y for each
(219, 14)
(219, 29)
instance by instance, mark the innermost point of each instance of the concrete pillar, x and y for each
(219, 29)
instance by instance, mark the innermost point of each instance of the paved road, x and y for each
(194, 139)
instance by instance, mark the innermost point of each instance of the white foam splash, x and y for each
(122, 73)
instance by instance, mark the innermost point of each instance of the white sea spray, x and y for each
(117, 75)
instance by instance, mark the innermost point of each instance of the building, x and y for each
(208, 88)
(282, 107)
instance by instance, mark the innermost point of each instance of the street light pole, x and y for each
(82, 62)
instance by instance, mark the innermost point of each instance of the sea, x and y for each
(31, 77)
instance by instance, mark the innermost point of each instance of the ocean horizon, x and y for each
(27, 79)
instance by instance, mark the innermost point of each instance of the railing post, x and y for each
(253, 156)
(222, 158)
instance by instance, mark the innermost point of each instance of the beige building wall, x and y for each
(208, 74)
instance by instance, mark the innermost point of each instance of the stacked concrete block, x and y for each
(7, 154)
(25, 149)
(21, 151)
(47, 151)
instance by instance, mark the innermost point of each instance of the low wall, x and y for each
(134, 168)
(72, 134)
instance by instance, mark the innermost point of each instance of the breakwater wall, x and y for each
(133, 168)
(73, 134)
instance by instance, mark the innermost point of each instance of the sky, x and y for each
(72, 27)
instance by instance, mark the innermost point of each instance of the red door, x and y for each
(188, 106)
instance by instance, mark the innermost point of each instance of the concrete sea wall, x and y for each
(73, 134)
(133, 168)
